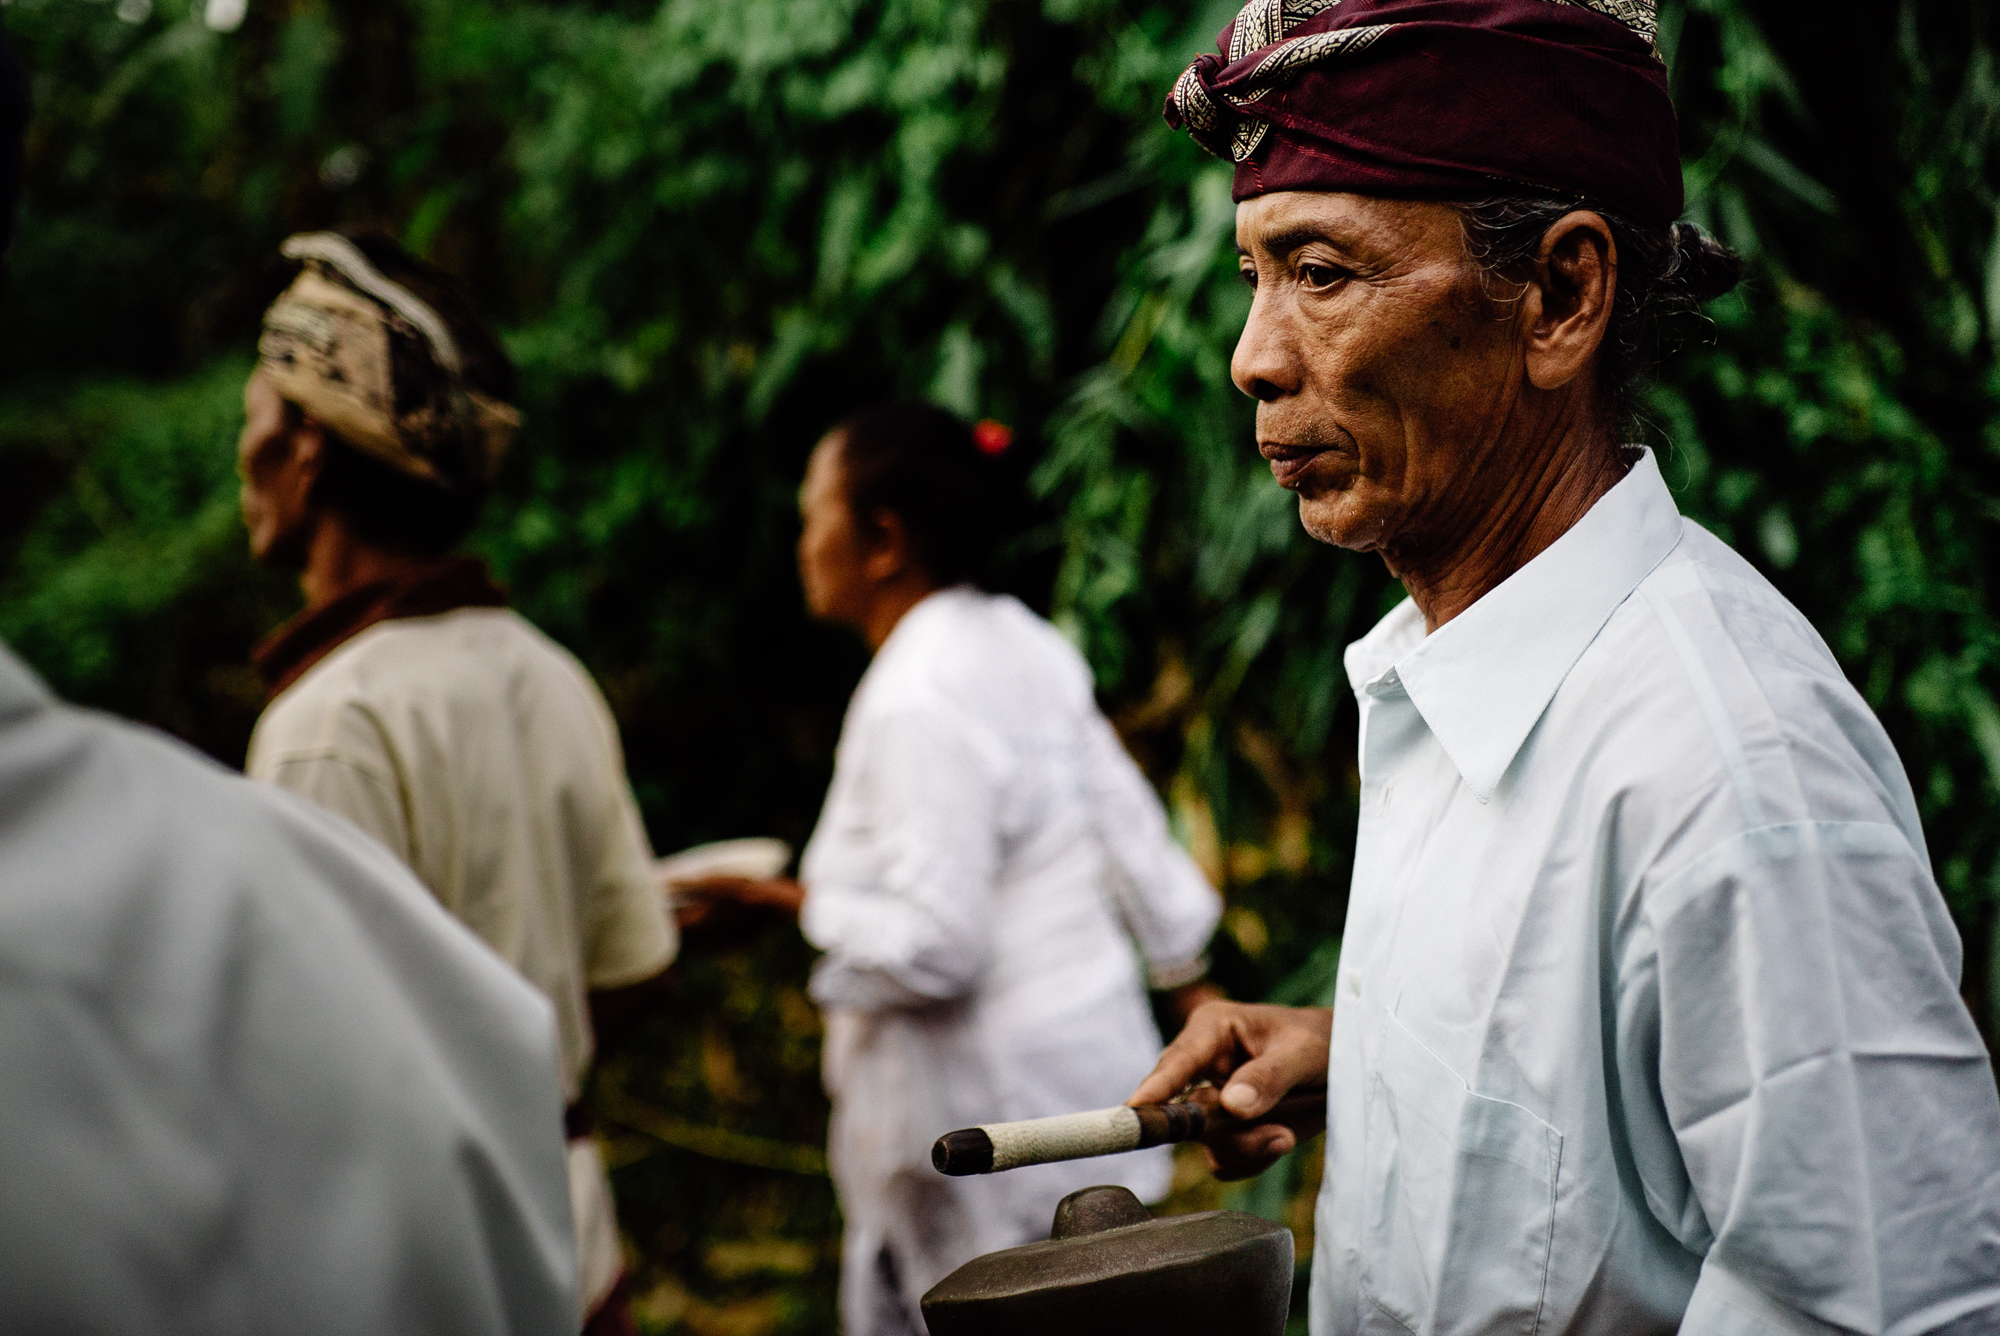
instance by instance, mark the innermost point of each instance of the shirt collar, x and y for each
(932, 606)
(1482, 680)
(910, 632)
(442, 586)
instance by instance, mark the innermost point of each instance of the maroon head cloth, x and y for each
(1440, 99)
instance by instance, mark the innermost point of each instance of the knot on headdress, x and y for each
(1221, 115)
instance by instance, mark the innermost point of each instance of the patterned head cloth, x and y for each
(373, 363)
(1440, 98)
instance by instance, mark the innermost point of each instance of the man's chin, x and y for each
(1333, 518)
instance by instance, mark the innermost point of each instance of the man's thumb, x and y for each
(1247, 1094)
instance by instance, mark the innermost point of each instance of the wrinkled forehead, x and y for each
(1280, 223)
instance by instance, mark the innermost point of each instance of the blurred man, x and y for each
(406, 696)
(255, 1080)
(1648, 1015)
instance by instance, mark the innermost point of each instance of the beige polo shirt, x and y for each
(484, 756)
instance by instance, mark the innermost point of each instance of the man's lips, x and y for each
(1289, 462)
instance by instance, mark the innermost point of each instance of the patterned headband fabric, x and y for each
(1440, 99)
(331, 345)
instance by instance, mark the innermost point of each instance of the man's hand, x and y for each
(1256, 1054)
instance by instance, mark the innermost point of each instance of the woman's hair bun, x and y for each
(954, 485)
(1702, 268)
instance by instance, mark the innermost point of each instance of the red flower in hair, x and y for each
(992, 437)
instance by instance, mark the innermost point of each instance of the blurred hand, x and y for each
(730, 906)
(1256, 1055)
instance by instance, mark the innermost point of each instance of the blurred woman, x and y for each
(986, 860)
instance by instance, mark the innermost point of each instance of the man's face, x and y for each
(277, 478)
(1382, 372)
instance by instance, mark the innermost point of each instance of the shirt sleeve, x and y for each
(629, 935)
(1164, 901)
(915, 931)
(356, 787)
(1822, 1126)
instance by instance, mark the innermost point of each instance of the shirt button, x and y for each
(1387, 789)
(1354, 982)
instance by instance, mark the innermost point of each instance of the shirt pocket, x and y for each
(1460, 1194)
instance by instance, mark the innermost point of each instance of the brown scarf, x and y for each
(283, 657)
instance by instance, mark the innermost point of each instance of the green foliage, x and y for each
(711, 230)
(132, 491)
(1843, 427)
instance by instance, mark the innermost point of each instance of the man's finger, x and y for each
(1291, 1056)
(1205, 1048)
(1250, 1152)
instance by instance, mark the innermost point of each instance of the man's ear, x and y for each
(1567, 308)
(888, 540)
(307, 441)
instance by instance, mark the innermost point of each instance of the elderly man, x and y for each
(407, 697)
(1647, 1015)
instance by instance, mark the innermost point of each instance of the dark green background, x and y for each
(710, 229)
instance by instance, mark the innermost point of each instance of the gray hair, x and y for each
(1662, 271)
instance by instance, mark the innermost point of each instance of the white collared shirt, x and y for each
(1648, 1005)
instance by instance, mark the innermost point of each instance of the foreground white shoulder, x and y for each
(244, 1048)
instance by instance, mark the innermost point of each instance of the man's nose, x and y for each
(1265, 365)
